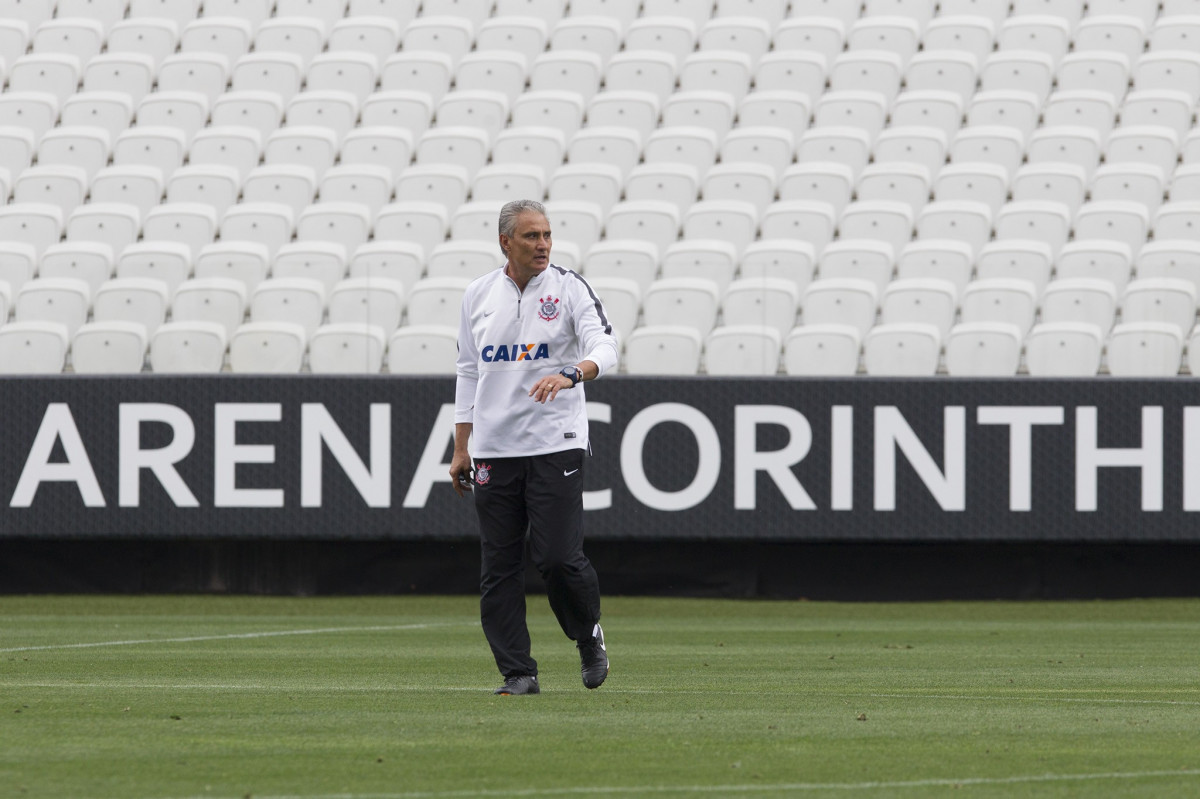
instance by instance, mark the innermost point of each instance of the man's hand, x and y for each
(460, 473)
(548, 387)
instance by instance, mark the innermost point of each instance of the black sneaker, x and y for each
(593, 659)
(519, 685)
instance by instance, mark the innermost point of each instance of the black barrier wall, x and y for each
(771, 460)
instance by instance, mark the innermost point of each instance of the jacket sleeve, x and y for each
(467, 366)
(597, 340)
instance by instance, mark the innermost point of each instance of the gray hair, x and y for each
(510, 212)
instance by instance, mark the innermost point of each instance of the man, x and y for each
(529, 335)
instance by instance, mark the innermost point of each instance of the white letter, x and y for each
(748, 461)
(432, 469)
(1020, 421)
(706, 472)
(227, 454)
(1191, 458)
(58, 424)
(841, 458)
(132, 458)
(317, 426)
(601, 499)
(1089, 457)
(891, 431)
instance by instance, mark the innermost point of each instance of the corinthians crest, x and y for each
(483, 473)
(549, 308)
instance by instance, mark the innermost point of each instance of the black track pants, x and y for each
(544, 495)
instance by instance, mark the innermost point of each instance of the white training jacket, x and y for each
(507, 340)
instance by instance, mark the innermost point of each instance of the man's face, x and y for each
(528, 247)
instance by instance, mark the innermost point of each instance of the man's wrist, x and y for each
(574, 374)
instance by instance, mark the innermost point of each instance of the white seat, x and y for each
(978, 182)
(427, 71)
(1145, 349)
(79, 37)
(160, 147)
(1082, 107)
(423, 350)
(973, 33)
(1063, 349)
(1160, 300)
(983, 349)
(792, 70)
(262, 111)
(485, 110)
(87, 148)
(703, 258)
(202, 72)
(1080, 300)
(1104, 72)
(731, 221)
(821, 35)
(322, 261)
(747, 34)
(525, 36)
(307, 145)
(1007, 300)
(269, 223)
(689, 302)
(775, 108)
(592, 182)
(32, 14)
(65, 186)
(748, 182)
(675, 184)
(877, 220)
(348, 348)
(623, 12)
(374, 301)
(800, 220)
(1113, 220)
(839, 145)
(334, 109)
(131, 74)
(274, 71)
(350, 73)
(475, 221)
(662, 349)
(37, 112)
(1168, 69)
(498, 71)
(436, 301)
(1018, 70)
(943, 259)
(422, 224)
(867, 70)
(841, 302)
(1098, 259)
(771, 146)
(400, 11)
(463, 259)
(109, 348)
(193, 224)
(765, 302)
(410, 110)
(822, 351)
(33, 348)
(166, 261)
(1017, 259)
(1144, 144)
(256, 12)
(290, 185)
(132, 299)
(1044, 221)
(902, 350)
(114, 224)
(210, 300)
(91, 262)
(187, 111)
(826, 182)
(859, 259)
(575, 223)
(622, 300)
(244, 261)
(904, 183)
(230, 37)
(1193, 352)
(267, 348)
(558, 110)
(632, 259)
(1177, 220)
(367, 185)
(920, 300)
(1035, 33)
(36, 224)
(906, 144)
(928, 108)
(376, 35)
(214, 185)
(465, 146)
(1173, 258)
(1117, 30)
(542, 147)
(343, 223)
(696, 13)
(1051, 182)
(741, 350)
(696, 147)
(726, 71)
(890, 33)
(401, 261)
(188, 347)
(714, 110)
(570, 70)
(300, 301)
(1015, 109)
(794, 261)
(946, 70)
(1167, 107)
(65, 301)
(1069, 144)
(1184, 187)
(921, 11)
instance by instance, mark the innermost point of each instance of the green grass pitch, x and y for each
(390, 698)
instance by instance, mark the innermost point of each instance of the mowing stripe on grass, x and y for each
(751, 789)
(1084, 700)
(233, 636)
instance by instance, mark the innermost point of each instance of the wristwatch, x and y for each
(572, 373)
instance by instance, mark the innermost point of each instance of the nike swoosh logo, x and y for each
(486, 314)
(568, 474)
